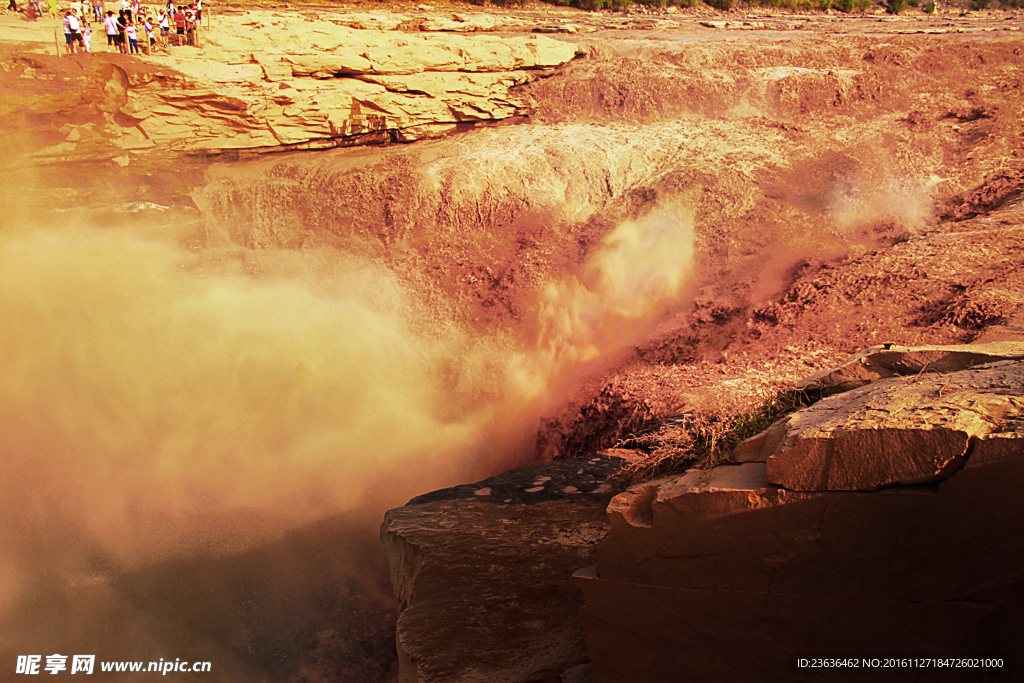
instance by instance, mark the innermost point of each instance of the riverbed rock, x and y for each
(482, 574)
(320, 80)
(708, 559)
(916, 396)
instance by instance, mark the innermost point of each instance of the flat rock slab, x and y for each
(575, 479)
(482, 573)
(890, 360)
(898, 430)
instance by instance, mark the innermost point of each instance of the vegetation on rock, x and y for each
(700, 439)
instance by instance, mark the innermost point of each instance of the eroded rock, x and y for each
(266, 80)
(482, 573)
(924, 569)
(896, 430)
(892, 413)
(695, 563)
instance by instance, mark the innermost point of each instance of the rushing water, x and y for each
(200, 436)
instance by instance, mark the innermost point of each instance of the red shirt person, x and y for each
(179, 25)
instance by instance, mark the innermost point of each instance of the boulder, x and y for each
(879, 362)
(896, 430)
(730, 573)
(482, 574)
(695, 564)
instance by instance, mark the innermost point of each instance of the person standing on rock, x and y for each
(190, 25)
(122, 28)
(87, 37)
(76, 33)
(68, 31)
(12, 5)
(133, 43)
(97, 9)
(165, 27)
(179, 25)
(110, 24)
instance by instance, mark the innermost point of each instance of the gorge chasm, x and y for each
(335, 264)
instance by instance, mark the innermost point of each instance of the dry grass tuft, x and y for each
(700, 438)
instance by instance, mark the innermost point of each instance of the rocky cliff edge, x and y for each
(882, 519)
(264, 79)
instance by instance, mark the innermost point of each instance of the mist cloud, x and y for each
(150, 393)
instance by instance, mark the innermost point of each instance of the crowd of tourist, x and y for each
(132, 30)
